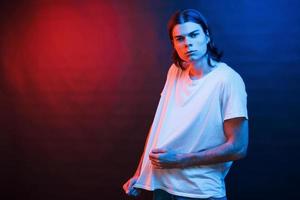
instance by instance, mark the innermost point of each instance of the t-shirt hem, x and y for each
(176, 193)
(235, 115)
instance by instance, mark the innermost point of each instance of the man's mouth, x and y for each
(190, 52)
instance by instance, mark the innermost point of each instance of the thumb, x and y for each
(159, 151)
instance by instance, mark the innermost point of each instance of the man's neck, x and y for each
(199, 68)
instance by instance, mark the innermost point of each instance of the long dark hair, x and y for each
(191, 15)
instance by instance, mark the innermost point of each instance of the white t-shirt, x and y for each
(189, 118)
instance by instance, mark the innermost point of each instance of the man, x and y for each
(200, 125)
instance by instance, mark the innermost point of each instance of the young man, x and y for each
(200, 125)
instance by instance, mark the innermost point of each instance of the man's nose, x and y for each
(187, 42)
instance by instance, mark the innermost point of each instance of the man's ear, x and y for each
(207, 38)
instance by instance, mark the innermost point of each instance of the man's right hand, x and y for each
(129, 189)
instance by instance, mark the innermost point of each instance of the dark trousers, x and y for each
(163, 195)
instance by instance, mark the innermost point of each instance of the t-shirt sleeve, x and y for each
(234, 98)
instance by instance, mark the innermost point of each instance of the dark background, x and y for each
(80, 82)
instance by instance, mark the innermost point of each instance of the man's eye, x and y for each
(193, 35)
(179, 39)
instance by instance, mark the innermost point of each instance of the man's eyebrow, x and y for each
(195, 31)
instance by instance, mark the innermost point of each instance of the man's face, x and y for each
(190, 41)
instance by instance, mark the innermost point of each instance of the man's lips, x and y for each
(190, 52)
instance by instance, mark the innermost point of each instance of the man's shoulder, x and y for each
(173, 69)
(228, 73)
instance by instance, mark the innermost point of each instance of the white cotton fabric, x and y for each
(189, 118)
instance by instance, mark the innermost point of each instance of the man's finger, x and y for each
(155, 163)
(135, 192)
(153, 156)
(158, 151)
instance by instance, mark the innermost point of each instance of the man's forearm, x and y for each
(222, 153)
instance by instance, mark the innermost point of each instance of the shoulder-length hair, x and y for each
(191, 15)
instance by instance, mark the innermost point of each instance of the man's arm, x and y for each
(235, 147)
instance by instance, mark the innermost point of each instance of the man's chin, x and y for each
(192, 59)
(195, 58)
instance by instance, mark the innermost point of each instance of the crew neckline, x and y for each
(193, 81)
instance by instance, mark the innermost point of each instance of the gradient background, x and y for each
(80, 82)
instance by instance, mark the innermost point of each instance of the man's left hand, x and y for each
(163, 159)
